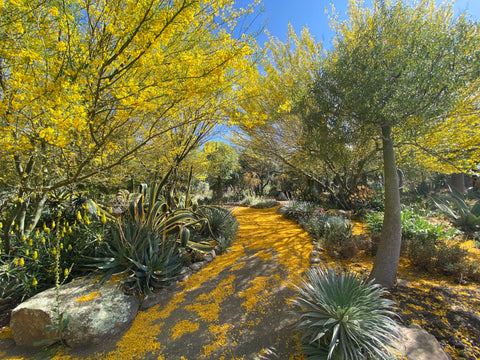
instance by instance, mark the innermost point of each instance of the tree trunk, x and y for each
(386, 261)
(458, 181)
(219, 190)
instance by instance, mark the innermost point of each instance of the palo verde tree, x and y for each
(453, 145)
(288, 69)
(221, 164)
(396, 67)
(84, 85)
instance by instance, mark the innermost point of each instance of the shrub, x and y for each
(343, 316)
(422, 253)
(374, 221)
(414, 226)
(221, 224)
(30, 267)
(452, 259)
(425, 244)
(248, 200)
(336, 231)
(265, 204)
(300, 211)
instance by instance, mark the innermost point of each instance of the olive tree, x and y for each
(395, 68)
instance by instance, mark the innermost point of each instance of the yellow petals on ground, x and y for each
(208, 306)
(184, 327)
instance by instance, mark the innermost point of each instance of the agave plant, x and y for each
(149, 259)
(455, 206)
(220, 223)
(343, 316)
(147, 241)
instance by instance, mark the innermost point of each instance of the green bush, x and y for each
(221, 224)
(30, 267)
(414, 226)
(248, 200)
(374, 221)
(451, 259)
(336, 231)
(265, 204)
(342, 315)
(301, 211)
(425, 244)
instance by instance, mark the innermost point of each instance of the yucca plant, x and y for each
(343, 316)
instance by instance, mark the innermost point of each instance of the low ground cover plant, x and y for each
(265, 204)
(334, 232)
(430, 246)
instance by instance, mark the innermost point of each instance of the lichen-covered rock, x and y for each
(210, 256)
(96, 312)
(415, 343)
(197, 266)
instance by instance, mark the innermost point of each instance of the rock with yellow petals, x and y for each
(95, 311)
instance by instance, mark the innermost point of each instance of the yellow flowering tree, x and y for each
(452, 145)
(84, 85)
(287, 70)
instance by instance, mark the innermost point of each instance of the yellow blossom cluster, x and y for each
(85, 85)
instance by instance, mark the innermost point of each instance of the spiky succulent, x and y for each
(343, 315)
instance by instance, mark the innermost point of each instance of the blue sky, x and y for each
(311, 13)
(278, 13)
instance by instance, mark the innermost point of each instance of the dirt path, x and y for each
(234, 308)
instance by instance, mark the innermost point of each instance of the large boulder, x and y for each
(415, 343)
(96, 312)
